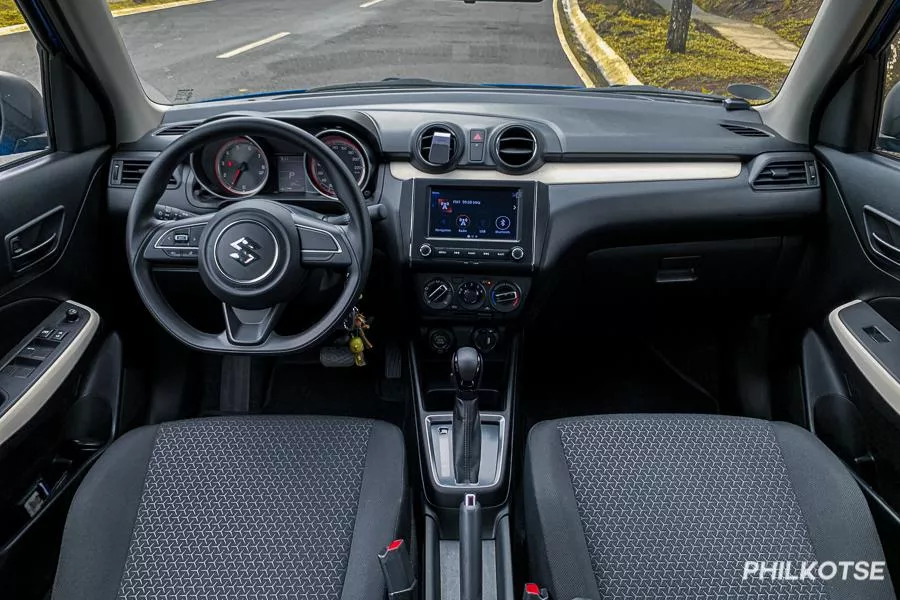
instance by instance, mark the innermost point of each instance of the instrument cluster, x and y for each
(243, 166)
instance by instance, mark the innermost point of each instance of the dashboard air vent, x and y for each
(179, 129)
(516, 147)
(438, 146)
(127, 172)
(745, 130)
(786, 175)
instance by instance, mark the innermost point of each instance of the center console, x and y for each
(474, 246)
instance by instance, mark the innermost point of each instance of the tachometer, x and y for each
(241, 167)
(352, 153)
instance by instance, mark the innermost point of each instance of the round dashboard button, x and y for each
(517, 253)
(425, 250)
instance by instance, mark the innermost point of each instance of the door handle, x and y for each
(883, 232)
(34, 241)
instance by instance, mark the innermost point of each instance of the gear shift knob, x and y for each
(466, 368)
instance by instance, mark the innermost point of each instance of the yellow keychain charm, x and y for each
(357, 346)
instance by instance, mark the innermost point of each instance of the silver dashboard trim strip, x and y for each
(35, 397)
(877, 376)
(569, 173)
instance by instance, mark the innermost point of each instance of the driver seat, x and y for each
(238, 507)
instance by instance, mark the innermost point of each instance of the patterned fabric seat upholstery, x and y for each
(238, 507)
(674, 506)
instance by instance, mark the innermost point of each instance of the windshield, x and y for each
(193, 50)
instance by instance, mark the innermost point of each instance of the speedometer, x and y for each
(351, 152)
(241, 167)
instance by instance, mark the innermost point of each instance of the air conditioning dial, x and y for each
(471, 294)
(437, 294)
(506, 297)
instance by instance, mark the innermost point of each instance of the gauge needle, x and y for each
(237, 174)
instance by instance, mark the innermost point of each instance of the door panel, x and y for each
(856, 290)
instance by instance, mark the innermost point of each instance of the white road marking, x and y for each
(248, 47)
(369, 3)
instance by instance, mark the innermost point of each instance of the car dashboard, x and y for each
(487, 205)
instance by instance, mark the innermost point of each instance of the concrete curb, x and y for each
(615, 70)
(119, 12)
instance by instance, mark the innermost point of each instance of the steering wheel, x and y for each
(252, 255)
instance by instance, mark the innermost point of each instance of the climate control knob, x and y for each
(425, 250)
(471, 294)
(437, 294)
(517, 253)
(506, 297)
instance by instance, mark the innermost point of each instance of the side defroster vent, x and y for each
(127, 172)
(786, 175)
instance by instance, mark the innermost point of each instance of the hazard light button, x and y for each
(476, 145)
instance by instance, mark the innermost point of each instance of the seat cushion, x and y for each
(238, 507)
(672, 506)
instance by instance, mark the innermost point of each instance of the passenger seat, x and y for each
(681, 506)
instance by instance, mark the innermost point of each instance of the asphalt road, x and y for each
(179, 50)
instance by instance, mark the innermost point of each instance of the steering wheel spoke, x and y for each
(323, 244)
(176, 242)
(246, 327)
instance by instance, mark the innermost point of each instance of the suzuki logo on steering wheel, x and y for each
(244, 254)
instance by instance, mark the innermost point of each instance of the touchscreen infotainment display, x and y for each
(474, 213)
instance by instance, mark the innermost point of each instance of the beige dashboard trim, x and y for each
(35, 397)
(877, 376)
(568, 173)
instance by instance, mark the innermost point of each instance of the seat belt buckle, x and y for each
(535, 592)
(396, 567)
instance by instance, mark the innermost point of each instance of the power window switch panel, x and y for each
(59, 335)
(45, 333)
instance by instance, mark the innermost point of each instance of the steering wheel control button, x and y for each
(246, 252)
(517, 253)
(425, 250)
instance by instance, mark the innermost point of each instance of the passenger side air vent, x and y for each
(437, 148)
(515, 148)
(745, 130)
(179, 129)
(786, 174)
(127, 172)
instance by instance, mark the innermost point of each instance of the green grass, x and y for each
(793, 30)
(709, 65)
(791, 19)
(10, 15)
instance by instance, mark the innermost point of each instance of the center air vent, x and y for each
(516, 148)
(127, 172)
(745, 130)
(179, 129)
(437, 147)
(786, 174)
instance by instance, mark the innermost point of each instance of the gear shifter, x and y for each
(466, 367)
